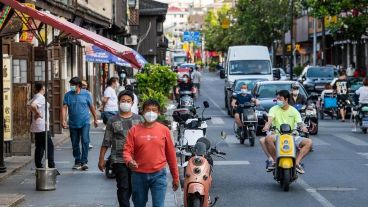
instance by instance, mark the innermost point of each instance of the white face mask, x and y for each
(244, 91)
(125, 107)
(295, 92)
(150, 116)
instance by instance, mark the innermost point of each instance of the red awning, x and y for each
(77, 32)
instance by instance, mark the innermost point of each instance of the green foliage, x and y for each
(156, 82)
(298, 70)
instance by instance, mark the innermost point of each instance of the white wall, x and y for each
(102, 7)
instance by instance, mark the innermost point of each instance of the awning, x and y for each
(97, 55)
(77, 32)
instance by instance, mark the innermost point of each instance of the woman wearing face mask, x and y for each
(185, 85)
(109, 106)
(147, 151)
(115, 135)
(296, 97)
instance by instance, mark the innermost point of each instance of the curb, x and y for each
(11, 200)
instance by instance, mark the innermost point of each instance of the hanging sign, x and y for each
(7, 98)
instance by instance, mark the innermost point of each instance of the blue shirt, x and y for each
(242, 100)
(78, 108)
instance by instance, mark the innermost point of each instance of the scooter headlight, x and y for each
(286, 148)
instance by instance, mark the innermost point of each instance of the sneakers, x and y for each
(77, 166)
(84, 167)
(90, 146)
(299, 168)
(270, 165)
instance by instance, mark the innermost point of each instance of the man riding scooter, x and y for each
(283, 113)
(241, 98)
(185, 85)
(296, 97)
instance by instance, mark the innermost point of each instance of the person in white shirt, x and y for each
(196, 79)
(351, 70)
(110, 100)
(363, 92)
(38, 107)
(134, 109)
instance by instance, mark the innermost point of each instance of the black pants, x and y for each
(40, 148)
(123, 183)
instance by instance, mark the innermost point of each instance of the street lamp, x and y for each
(291, 39)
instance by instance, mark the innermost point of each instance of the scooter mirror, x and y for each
(223, 135)
(206, 104)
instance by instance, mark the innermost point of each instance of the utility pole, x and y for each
(314, 41)
(323, 42)
(292, 39)
(2, 165)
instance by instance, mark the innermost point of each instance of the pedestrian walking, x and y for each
(85, 87)
(147, 151)
(196, 79)
(37, 105)
(115, 135)
(135, 108)
(109, 106)
(78, 103)
(341, 87)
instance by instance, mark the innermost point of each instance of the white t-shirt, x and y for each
(112, 103)
(196, 77)
(363, 94)
(135, 105)
(38, 125)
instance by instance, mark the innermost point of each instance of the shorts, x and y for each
(341, 102)
(298, 140)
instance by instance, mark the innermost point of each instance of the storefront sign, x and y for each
(3, 15)
(7, 98)
(26, 36)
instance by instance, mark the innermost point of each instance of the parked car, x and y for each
(235, 89)
(265, 92)
(314, 78)
(283, 75)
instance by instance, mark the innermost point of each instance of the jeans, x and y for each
(80, 135)
(40, 148)
(142, 182)
(105, 115)
(123, 183)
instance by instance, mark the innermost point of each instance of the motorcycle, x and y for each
(309, 116)
(285, 170)
(186, 100)
(361, 118)
(249, 119)
(198, 174)
(190, 129)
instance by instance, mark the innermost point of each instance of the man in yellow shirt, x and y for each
(283, 113)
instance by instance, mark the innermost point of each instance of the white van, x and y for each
(247, 61)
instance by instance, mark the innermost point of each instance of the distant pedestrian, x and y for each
(196, 79)
(109, 106)
(78, 103)
(136, 101)
(115, 137)
(359, 73)
(341, 87)
(148, 149)
(351, 69)
(38, 105)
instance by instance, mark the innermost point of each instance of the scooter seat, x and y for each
(365, 108)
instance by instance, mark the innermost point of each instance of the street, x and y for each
(336, 172)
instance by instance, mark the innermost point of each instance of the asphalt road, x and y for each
(336, 172)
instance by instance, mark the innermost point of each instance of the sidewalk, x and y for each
(15, 163)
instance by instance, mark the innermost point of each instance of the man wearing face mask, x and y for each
(241, 98)
(185, 85)
(115, 136)
(147, 151)
(296, 97)
(283, 113)
(78, 103)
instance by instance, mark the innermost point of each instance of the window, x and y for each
(19, 71)
(250, 67)
(39, 72)
(181, 15)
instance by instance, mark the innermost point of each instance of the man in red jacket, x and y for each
(147, 151)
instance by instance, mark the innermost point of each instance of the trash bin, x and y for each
(46, 179)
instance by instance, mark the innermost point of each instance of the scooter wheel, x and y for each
(364, 131)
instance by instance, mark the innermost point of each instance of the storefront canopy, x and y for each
(77, 32)
(97, 55)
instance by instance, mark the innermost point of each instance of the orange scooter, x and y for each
(198, 175)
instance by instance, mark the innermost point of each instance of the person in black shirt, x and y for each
(296, 97)
(341, 88)
(185, 85)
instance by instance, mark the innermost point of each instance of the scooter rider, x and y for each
(283, 113)
(296, 97)
(242, 98)
(185, 85)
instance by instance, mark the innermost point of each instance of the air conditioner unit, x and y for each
(132, 40)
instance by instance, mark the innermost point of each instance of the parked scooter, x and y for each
(361, 118)
(249, 119)
(198, 174)
(309, 116)
(285, 170)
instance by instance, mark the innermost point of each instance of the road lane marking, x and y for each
(313, 192)
(365, 155)
(62, 162)
(215, 104)
(217, 121)
(319, 142)
(352, 140)
(231, 139)
(336, 189)
(226, 163)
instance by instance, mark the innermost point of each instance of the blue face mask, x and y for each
(280, 103)
(73, 88)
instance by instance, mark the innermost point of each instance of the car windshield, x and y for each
(187, 66)
(321, 73)
(250, 67)
(179, 59)
(250, 83)
(269, 90)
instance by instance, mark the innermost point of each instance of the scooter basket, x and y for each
(249, 115)
(330, 102)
